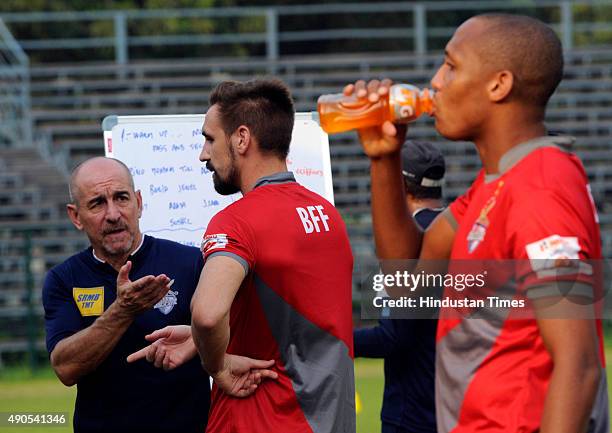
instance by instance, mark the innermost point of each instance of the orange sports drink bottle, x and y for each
(403, 104)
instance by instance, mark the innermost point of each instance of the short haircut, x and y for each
(529, 49)
(73, 189)
(265, 106)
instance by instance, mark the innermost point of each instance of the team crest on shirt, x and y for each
(479, 229)
(167, 303)
(212, 242)
(476, 235)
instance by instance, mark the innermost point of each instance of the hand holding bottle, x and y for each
(375, 109)
(382, 139)
(372, 90)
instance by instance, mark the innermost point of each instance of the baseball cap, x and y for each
(422, 164)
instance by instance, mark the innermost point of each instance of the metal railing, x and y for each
(15, 114)
(120, 33)
(21, 314)
(16, 122)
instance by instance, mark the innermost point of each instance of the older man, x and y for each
(102, 302)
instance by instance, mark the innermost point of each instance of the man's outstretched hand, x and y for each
(171, 347)
(134, 297)
(241, 376)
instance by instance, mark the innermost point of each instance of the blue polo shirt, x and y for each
(117, 396)
(409, 350)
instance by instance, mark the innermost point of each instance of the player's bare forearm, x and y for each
(570, 398)
(573, 346)
(395, 233)
(83, 352)
(211, 340)
(210, 308)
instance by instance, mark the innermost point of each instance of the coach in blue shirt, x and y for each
(102, 302)
(408, 346)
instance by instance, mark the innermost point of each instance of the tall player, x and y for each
(530, 202)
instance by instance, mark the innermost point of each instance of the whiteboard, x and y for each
(177, 190)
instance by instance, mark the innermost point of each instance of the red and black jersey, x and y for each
(294, 306)
(493, 375)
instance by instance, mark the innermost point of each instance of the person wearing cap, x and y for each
(408, 346)
(423, 169)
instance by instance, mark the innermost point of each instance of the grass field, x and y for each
(21, 391)
(369, 385)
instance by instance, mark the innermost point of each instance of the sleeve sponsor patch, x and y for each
(556, 254)
(214, 242)
(89, 300)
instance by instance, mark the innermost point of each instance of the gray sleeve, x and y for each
(236, 257)
(446, 213)
(560, 289)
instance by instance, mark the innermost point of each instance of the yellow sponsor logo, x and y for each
(90, 300)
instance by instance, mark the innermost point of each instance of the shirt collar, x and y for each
(133, 252)
(276, 178)
(515, 154)
(434, 209)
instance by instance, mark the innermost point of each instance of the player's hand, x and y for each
(385, 139)
(134, 297)
(241, 376)
(172, 347)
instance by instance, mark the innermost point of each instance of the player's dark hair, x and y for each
(529, 49)
(265, 106)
